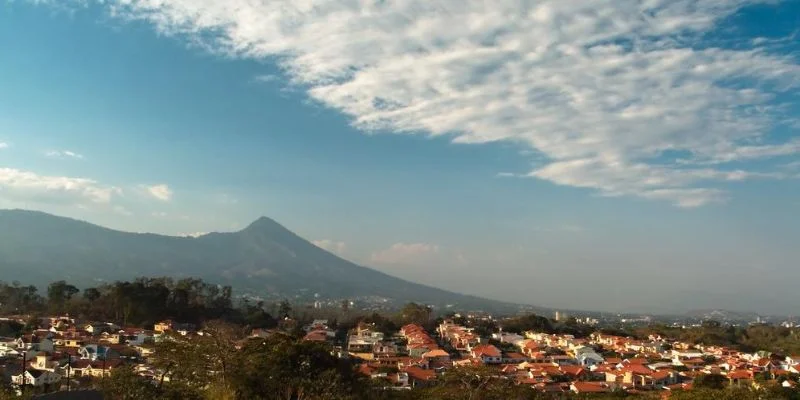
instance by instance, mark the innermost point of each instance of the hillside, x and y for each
(263, 259)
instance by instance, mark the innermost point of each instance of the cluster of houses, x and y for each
(65, 352)
(561, 363)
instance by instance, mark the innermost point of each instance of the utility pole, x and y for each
(69, 370)
(22, 386)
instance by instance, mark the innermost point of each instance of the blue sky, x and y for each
(630, 155)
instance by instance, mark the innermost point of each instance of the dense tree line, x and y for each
(523, 323)
(140, 302)
(751, 338)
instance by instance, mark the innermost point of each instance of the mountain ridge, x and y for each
(263, 258)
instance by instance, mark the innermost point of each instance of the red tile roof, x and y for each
(420, 374)
(590, 387)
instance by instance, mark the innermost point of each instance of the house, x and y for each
(664, 378)
(73, 343)
(764, 365)
(685, 354)
(589, 387)
(316, 336)
(36, 378)
(384, 348)
(44, 363)
(95, 329)
(162, 326)
(588, 357)
(138, 337)
(262, 333)
(8, 343)
(437, 354)
(487, 353)
(112, 338)
(94, 352)
(34, 343)
(506, 337)
(76, 368)
(144, 351)
(6, 352)
(418, 377)
(514, 358)
(417, 350)
(740, 378)
(574, 372)
(101, 368)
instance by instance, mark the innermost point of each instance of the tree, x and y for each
(414, 313)
(710, 381)
(91, 294)
(58, 293)
(197, 362)
(478, 383)
(284, 309)
(125, 384)
(280, 367)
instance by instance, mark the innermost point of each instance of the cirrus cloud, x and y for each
(601, 90)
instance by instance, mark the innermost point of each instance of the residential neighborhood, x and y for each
(556, 363)
(64, 353)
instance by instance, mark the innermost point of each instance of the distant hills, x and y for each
(263, 259)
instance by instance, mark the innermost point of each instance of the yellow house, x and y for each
(162, 326)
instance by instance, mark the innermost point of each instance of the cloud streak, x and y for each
(64, 154)
(23, 186)
(603, 90)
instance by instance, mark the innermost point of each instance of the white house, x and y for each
(94, 352)
(487, 353)
(589, 358)
(6, 352)
(8, 343)
(36, 378)
(140, 338)
(506, 337)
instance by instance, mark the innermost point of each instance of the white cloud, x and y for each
(331, 245)
(604, 90)
(64, 154)
(3, 145)
(406, 253)
(160, 192)
(24, 186)
(193, 234)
